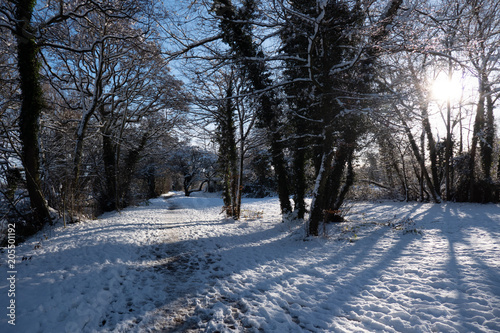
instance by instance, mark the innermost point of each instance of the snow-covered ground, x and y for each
(176, 265)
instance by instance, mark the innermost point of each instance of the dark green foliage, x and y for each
(314, 50)
(261, 182)
(325, 49)
(300, 98)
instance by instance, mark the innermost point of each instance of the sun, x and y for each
(446, 89)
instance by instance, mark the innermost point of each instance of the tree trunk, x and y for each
(416, 153)
(110, 199)
(432, 151)
(133, 157)
(88, 112)
(31, 108)
(236, 29)
(320, 186)
(449, 143)
(239, 187)
(487, 144)
(405, 177)
(448, 152)
(422, 177)
(151, 180)
(349, 181)
(301, 149)
(497, 190)
(299, 162)
(478, 127)
(228, 156)
(278, 162)
(187, 184)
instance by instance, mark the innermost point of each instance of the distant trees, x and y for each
(455, 154)
(195, 166)
(479, 30)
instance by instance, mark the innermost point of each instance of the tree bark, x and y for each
(109, 201)
(31, 109)
(478, 126)
(236, 33)
(299, 162)
(133, 157)
(435, 196)
(83, 124)
(228, 155)
(487, 142)
(320, 186)
(436, 182)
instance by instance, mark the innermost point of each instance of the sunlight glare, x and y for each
(444, 89)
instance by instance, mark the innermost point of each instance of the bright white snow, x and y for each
(176, 265)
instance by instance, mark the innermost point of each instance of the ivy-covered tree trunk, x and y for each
(236, 29)
(320, 186)
(299, 179)
(31, 109)
(349, 181)
(109, 200)
(337, 185)
(130, 163)
(436, 180)
(327, 49)
(188, 178)
(476, 134)
(300, 98)
(228, 156)
(330, 47)
(487, 144)
(278, 161)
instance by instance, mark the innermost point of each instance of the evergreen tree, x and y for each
(323, 44)
(300, 97)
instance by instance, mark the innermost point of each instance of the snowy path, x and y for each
(177, 266)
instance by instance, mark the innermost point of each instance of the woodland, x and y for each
(104, 104)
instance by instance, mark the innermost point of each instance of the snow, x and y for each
(177, 265)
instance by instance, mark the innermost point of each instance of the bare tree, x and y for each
(33, 32)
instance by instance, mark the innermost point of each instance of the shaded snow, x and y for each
(177, 265)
